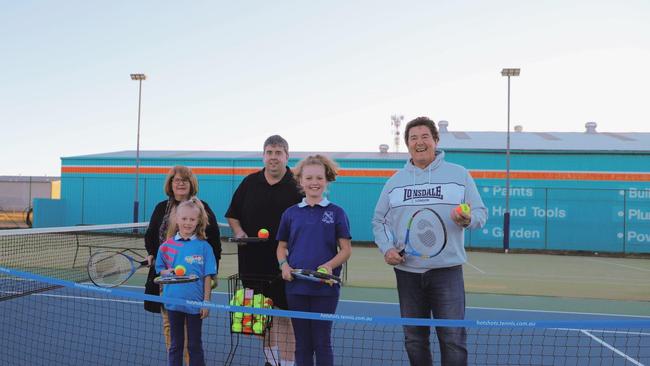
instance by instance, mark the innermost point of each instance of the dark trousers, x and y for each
(177, 322)
(440, 292)
(313, 337)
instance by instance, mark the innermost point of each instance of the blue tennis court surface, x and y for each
(71, 326)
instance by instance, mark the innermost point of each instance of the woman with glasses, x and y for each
(180, 185)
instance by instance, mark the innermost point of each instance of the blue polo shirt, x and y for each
(311, 233)
(197, 257)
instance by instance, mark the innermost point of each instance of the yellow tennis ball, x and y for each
(322, 270)
(239, 297)
(180, 270)
(257, 300)
(464, 208)
(258, 327)
(236, 327)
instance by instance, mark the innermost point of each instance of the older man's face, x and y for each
(422, 146)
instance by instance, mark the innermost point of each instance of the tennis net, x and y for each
(51, 314)
(76, 323)
(62, 252)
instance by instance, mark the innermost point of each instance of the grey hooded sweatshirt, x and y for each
(441, 186)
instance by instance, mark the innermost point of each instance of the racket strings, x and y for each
(111, 269)
(426, 234)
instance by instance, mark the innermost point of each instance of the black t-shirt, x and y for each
(257, 204)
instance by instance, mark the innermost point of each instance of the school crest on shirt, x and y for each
(328, 217)
(191, 259)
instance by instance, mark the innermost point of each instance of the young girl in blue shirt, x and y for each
(313, 234)
(187, 246)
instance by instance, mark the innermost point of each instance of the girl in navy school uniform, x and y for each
(313, 234)
(187, 246)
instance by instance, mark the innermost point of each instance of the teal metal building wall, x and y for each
(560, 200)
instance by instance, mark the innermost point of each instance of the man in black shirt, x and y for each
(258, 203)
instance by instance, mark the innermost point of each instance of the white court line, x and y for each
(468, 307)
(371, 302)
(374, 302)
(559, 278)
(89, 298)
(390, 303)
(475, 267)
(605, 331)
(74, 297)
(586, 332)
(617, 264)
(519, 310)
(612, 348)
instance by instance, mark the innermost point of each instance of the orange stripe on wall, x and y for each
(154, 170)
(112, 170)
(378, 173)
(629, 177)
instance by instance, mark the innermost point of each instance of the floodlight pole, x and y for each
(506, 214)
(136, 203)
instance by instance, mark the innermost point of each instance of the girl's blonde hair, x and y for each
(193, 203)
(327, 163)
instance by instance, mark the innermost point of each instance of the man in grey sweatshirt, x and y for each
(418, 229)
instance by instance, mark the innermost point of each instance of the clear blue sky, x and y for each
(327, 75)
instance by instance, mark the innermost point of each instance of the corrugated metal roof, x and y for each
(458, 140)
(552, 141)
(170, 154)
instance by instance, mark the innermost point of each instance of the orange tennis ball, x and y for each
(179, 270)
(263, 233)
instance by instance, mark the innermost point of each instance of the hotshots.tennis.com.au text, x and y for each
(346, 317)
(503, 323)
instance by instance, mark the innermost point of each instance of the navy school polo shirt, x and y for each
(311, 233)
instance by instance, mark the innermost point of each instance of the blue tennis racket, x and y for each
(315, 276)
(173, 279)
(426, 234)
(112, 268)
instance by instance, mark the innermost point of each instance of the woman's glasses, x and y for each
(179, 181)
